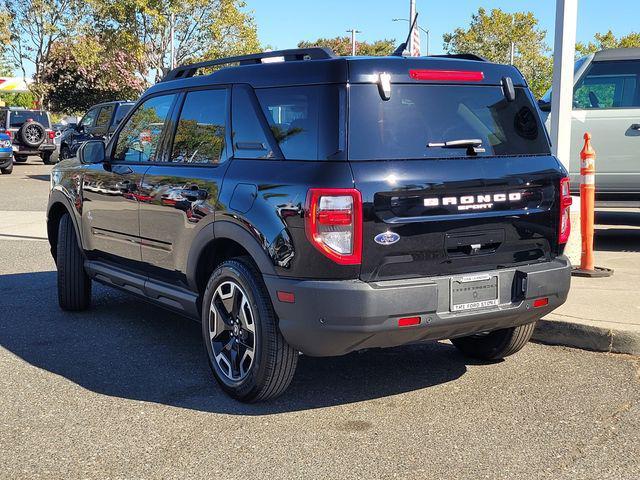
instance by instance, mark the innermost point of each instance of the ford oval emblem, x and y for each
(387, 238)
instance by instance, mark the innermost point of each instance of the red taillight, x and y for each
(409, 321)
(9, 133)
(447, 75)
(541, 302)
(52, 134)
(564, 227)
(333, 223)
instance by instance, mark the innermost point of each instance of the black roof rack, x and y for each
(297, 54)
(463, 56)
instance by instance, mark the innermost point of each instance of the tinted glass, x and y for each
(609, 85)
(419, 115)
(249, 138)
(18, 117)
(89, 117)
(307, 122)
(139, 138)
(200, 133)
(104, 116)
(121, 112)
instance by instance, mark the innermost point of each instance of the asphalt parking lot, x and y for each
(123, 391)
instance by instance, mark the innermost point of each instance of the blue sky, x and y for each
(283, 23)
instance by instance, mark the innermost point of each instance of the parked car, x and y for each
(323, 205)
(30, 132)
(98, 123)
(6, 154)
(606, 103)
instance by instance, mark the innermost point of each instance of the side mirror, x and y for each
(92, 152)
(544, 106)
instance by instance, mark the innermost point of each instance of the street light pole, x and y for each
(172, 54)
(353, 32)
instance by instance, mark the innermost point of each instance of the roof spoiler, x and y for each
(292, 55)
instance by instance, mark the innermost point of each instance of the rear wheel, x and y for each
(247, 353)
(20, 158)
(46, 158)
(74, 285)
(497, 344)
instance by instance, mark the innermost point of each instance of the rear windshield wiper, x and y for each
(473, 145)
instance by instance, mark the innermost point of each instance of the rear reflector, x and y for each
(286, 297)
(52, 134)
(409, 321)
(564, 227)
(447, 75)
(541, 302)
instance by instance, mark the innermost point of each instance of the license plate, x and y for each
(474, 292)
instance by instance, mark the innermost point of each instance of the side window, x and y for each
(104, 116)
(307, 122)
(200, 132)
(249, 138)
(121, 113)
(89, 117)
(608, 85)
(139, 138)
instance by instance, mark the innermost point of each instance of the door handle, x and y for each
(635, 126)
(194, 193)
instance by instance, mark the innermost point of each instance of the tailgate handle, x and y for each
(466, 244)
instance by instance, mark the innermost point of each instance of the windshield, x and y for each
(18, 117)
(546, 98)
(419, 119)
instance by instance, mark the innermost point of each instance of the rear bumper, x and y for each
(24, 150)
(336, 317)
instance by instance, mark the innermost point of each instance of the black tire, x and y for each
(20, 158)
(274, 361)
(7, 170)
(497, 344)
(65, 152)
(74, 285)
(32, 134)
(46, 158)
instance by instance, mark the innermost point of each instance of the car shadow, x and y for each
(621, 234)
(44, 178)
(126, 348)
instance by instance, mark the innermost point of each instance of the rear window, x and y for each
(307, 122)
(419, 115)
(18, 117)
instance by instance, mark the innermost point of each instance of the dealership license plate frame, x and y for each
(479, 281)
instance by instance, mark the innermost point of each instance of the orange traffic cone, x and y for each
(587, 212)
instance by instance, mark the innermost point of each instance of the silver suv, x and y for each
(606, 103)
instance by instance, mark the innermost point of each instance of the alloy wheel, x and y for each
(232, 331)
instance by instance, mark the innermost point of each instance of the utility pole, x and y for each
(412, 16)
(172, 54)
(353, 32)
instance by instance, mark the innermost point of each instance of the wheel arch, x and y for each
(225, 240)
(57, 208)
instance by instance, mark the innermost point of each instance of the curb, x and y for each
(587, 337)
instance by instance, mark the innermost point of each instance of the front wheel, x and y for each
(247, 353)
(74, 285)
(497, 344)
(7, 170)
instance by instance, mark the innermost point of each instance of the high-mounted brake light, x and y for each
(333, 223)
(447, 75)
(564, 227)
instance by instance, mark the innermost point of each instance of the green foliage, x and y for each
(203, 29)
(89, 70)
(603, 41)
(342, 46)
(26, 99)
(491, 34)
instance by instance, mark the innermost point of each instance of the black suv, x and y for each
(30, 132)
(301, 202)
(98, 123)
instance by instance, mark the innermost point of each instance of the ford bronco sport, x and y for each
(295, 201)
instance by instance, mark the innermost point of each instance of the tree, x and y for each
(608, 40)
(35, 26)
(342, 46)
(491, 35)
(203, 29)
(88, 70)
